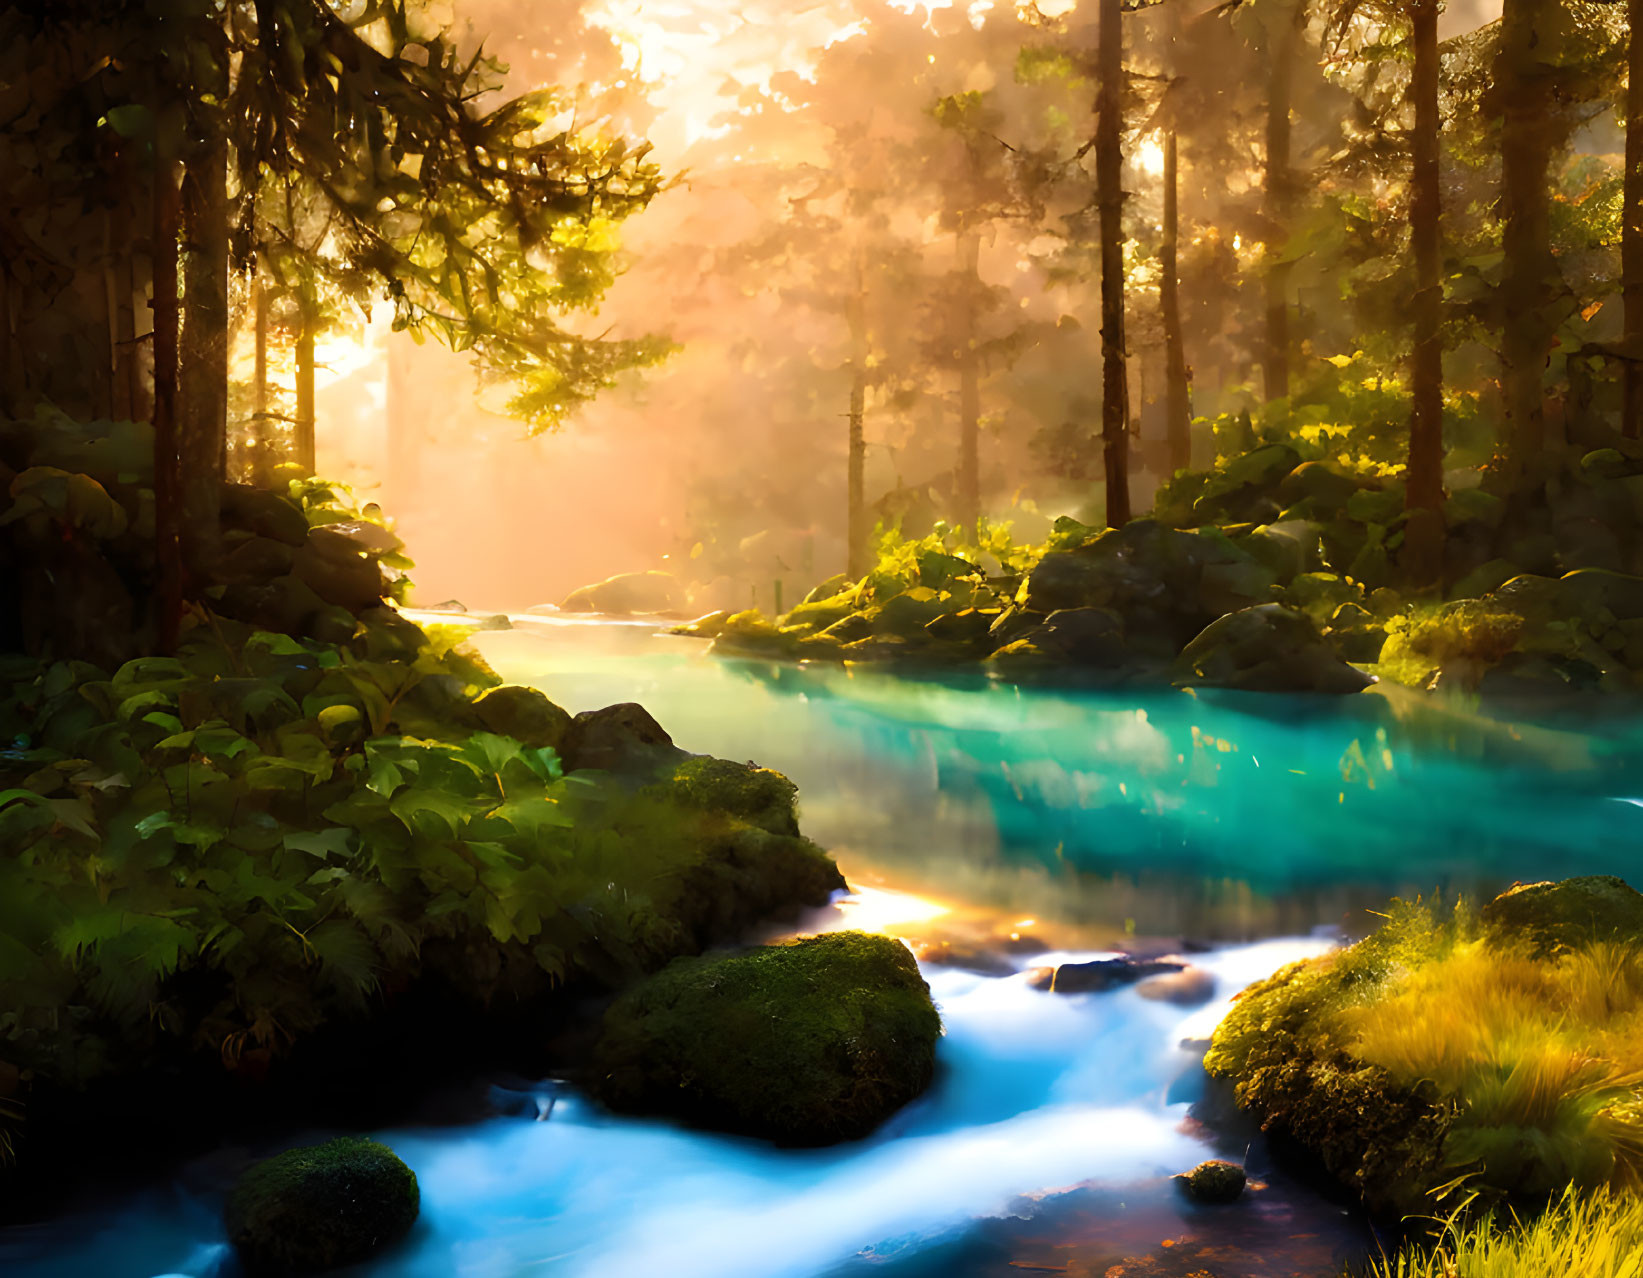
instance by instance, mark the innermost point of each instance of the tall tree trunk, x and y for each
(302, 443)
(1109, 197)
(167, 459)
(1279, 186)
(1631, 244)
(1177, 388)
(203, 382)
(1422, 558)
(858, 554)
(262, 426)
(967, 498)
(1527, 325)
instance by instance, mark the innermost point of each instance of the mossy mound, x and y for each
(1553, 917)
(806, 1043)
(524, 714)
(1380, 1139)
(1494, 1049)
(309, 1210)
(759, 796)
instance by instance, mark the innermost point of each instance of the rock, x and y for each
(339, 572)
(1083, 636)
(619, 738)
(1246, 487)
(321, 1207)
(1041, 978)
(1189, 987)
(757, 795)
(526, 715)
(1214, 1182)
(965, 956)
(904, 616)
(819, 614)
(1316, 482)
(834, 585)
(805, 1043)
(625, 594)
(1101, 975)
(264, 513)
(248, 558)
(851, 629)
(1359, 645)
(1591, 590)
(1266, 649)
(967, 626)
(709, 627)
(1555, 916)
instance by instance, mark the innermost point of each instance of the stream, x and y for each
(1035, 826)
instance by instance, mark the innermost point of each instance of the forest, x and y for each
(801, 637)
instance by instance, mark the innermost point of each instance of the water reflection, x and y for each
(1218, 816)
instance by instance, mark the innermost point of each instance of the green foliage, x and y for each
(292, 824)
(1580, 1235)
(1440, 1054)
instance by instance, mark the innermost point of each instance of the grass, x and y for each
(1441, 1055)
(1579, 1236)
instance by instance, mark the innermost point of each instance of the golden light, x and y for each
(870, 909)
(1149, 157)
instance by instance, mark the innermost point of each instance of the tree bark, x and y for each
(262, 426)
(1527, 324)
(858, 554)
(1279, 187)
(1177, 387)
(302, 443)
(967, 497)
(1423, 535)
(203, 381)
(1109, 161)
(167, 459)
(1631, 244)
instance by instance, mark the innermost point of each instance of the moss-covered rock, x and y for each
(524, 714)
(1384, 1141)
(1266, 649)
(318, 1208)
(1559, 916)
(759, 796)
(1214, 1181)
(621, 738)
(806, 1043)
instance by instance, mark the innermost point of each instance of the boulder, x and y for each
(1555, 916)
(321, 1207)
(1100, 975)
(620, 738)
(339, 571)
(625, 594)
(1589, 591)
(805, 1043)
(1084, 636)
(524, 714)
(1266, 649)
(1213, 1182)
(757, 795)
(264, 513)
(1188, 987)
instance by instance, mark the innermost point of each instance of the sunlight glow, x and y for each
(1149, 157)
(880, 909)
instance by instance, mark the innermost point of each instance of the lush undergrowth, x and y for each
(219, 852)
(1451, 1053)
(1597, 1235)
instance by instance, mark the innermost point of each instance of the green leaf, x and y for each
(322, 843)
(333, 717)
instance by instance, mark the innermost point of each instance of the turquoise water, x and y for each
(1255, 827)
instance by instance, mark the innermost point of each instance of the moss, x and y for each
(806, 1043)
(318, 1208)
(757, 795)
(1214, 1182)
(1382, 1140)
(525, 715)
(1552, 917)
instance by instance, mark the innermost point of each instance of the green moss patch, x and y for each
(806, 1043)
(309, 1210)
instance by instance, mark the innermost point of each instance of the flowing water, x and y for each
(1027, 827)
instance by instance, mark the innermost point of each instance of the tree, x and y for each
(1278, 181)
(1109, 164)
(1632, 227)
(1424, 493)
